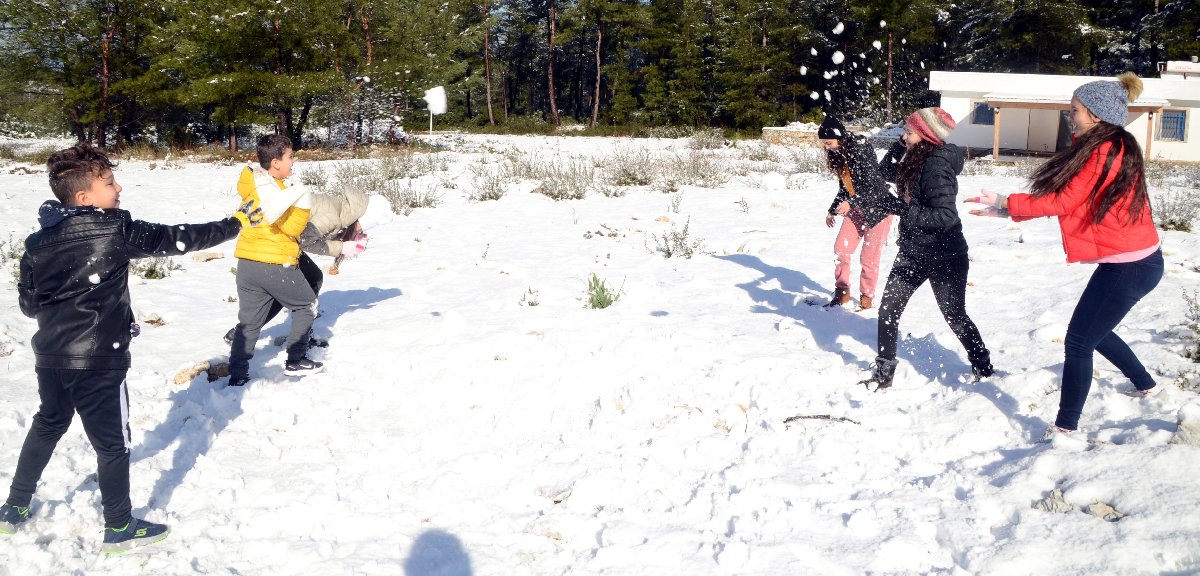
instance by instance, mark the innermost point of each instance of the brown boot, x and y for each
(864, 302)
(840, 296)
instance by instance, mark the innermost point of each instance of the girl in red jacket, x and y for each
(1097, 189)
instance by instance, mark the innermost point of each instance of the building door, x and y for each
(1064, 131)
(1043, 130)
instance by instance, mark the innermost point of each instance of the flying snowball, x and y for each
(803, 70)
(839, 28)
(838, 57)
(827, 97)
(883, 23)
(862, 56)
(815, 96)
(814, 51)
(876, 79)
(827, 75)
(879, 45)
(922, 65)
(181, 246)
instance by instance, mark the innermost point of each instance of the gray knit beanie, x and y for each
(1108, 100)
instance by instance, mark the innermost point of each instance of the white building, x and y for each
(1028, 111)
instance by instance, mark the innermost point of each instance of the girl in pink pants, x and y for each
(860, 202)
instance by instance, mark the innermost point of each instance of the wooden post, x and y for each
(1149, 132)
(996, 135)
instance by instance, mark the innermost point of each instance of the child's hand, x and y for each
(352, 248)
(997, 204)
(249, 214)
(135, 330)
(828, 220)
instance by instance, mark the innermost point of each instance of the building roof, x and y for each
(1044, 102)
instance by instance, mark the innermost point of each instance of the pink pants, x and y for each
(853, 231)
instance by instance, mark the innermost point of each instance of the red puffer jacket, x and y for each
(1083, 239)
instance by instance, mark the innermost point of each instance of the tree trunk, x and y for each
(596, 90)
(487, 60)
(233, 137)
(297, 129)
(105, 82)
(550, 61)
(888, 88)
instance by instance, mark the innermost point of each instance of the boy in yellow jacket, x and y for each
(268, 258)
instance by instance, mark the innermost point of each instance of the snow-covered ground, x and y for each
(458, 430)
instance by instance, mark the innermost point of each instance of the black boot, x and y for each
(981, 365)
(882, 373)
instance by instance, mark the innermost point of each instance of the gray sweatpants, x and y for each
(259, 285)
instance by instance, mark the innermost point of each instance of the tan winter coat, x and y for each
(331, 215)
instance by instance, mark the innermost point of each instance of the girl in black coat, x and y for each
(932, 246)
(862, 202)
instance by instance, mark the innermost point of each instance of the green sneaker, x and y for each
(136, 532)
(12, 516)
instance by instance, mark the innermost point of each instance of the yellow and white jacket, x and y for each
(285, 213)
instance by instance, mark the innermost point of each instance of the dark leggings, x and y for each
(948, 278)
(1111, 293)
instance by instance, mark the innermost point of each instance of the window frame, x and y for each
(975, 104)
(1158, 132)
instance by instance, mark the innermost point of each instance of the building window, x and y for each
(1172, 125)
(983, 115)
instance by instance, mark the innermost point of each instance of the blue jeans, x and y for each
(1111, 293)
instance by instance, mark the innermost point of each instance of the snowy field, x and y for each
(458, 429)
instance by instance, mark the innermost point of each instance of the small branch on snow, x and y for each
(798, 417)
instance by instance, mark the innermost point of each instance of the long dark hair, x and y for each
(838, 159)
(910, 167)
(1053, 176)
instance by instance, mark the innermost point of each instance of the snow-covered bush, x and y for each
(569, 181)
(489, 184)
(706, 139)
(977, 168)
(1192, 314)
(677, 243)
(630, 167)
(153, 268)
(315, 177)
(1176, 209)
(761, 152)
(806, 161)
(406, 196)
(10, 255)
(693, 168)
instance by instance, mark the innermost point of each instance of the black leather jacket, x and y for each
(75, 279)
(929, 224)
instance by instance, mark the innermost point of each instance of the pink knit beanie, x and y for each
(933, 125)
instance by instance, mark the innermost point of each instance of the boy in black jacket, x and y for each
(74, 281)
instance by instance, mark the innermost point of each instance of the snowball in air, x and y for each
(813, 51)
(814, 96)
(827, 96)
(883, 23)
(838, 57)
(181, 246)
(838, 29)
(803, 70)
(877, 44)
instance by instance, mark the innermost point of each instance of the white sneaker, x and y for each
(1073, 440)
(1150, 393)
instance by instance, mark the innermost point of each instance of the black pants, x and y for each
(102, 401)
(948, 278)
